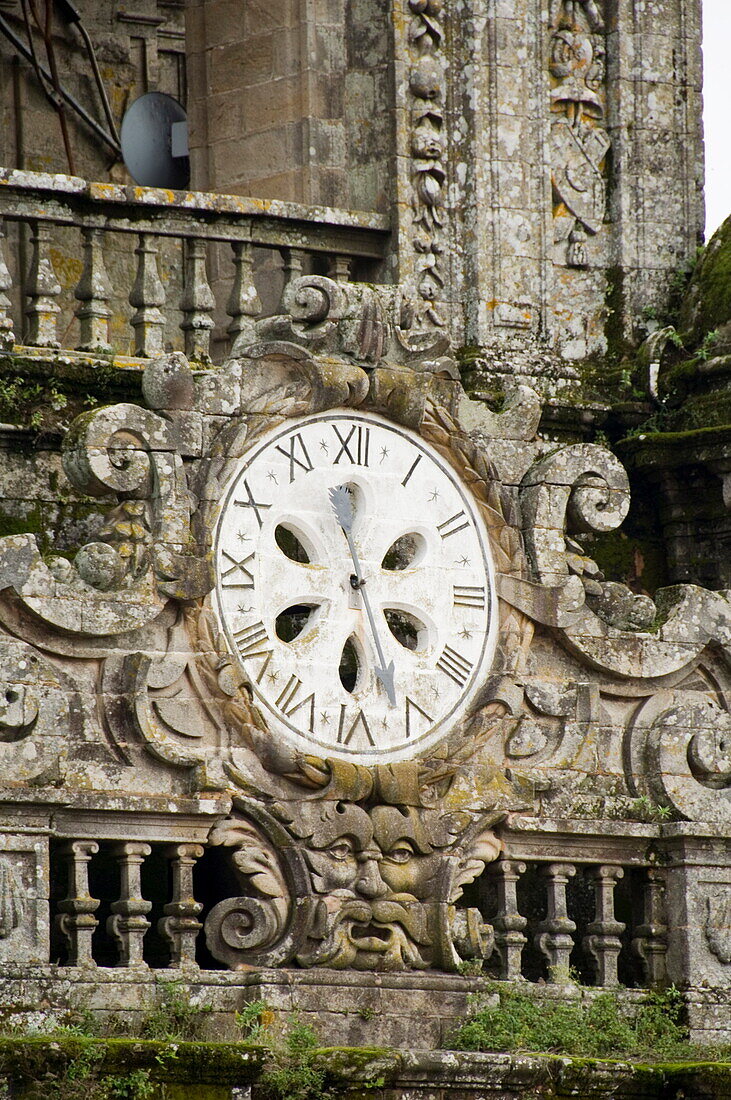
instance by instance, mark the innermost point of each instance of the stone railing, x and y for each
(84, 261)
(134, 903)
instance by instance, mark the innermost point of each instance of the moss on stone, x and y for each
(707, 304)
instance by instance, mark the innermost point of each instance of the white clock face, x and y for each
(355, 586)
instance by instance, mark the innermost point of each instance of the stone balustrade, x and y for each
(553, 921)
(82, 262)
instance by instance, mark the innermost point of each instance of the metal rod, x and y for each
(21, 47)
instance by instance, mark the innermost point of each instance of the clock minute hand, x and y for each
(343, 509)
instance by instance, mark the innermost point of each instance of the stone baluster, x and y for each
(555, 934)
(128, 922)
(93, 294)
(197, 303)
(43, 289)
(509, 926)
(180, 926)
(76, 921)
(650, 942)
(7, 335)
(339, 268)
(243, 305)
(147, 295)
(602, 942)
(293, 265)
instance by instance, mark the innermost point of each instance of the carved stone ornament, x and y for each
(579, 142)
(718, 925)
(310, 589)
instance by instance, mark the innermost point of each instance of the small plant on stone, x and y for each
(470, 968)
(600, 1027)
(291, 1070)
(644, 809)
(176, 1018)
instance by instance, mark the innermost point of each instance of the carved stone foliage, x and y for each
(367, 324)
(369, 885)
(579, 141)
(427, 94)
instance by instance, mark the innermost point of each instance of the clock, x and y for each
(355, 586)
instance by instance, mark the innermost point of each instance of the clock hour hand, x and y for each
(343, 508)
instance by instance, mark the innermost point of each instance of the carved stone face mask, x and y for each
(374, 870)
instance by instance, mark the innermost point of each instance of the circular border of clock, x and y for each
(354, 586)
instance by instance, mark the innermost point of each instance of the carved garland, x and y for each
(427, 87)
(226, 682)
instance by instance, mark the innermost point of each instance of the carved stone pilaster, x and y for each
(602, 942)
(555, 938)
(76, 921)
(510, 938)
(128, 922)
(650, 942)
(180, 925)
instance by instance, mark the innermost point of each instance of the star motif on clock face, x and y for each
(354, 586)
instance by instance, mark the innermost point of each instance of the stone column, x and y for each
(509, 926)
(76, 920)
(602, 942)
(650, 940)
(180, 926)
(128, 922)
(555, 937)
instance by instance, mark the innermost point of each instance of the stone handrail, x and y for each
(319, 237)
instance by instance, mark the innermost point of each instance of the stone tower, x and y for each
(364, 577)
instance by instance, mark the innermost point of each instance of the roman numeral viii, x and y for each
(253, 641)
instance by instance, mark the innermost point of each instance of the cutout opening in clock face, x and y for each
(354, 585)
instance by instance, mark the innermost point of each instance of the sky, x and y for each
(717, 110)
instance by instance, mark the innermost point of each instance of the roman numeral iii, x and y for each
(469, 595)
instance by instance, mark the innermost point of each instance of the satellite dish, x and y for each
(154, 139)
